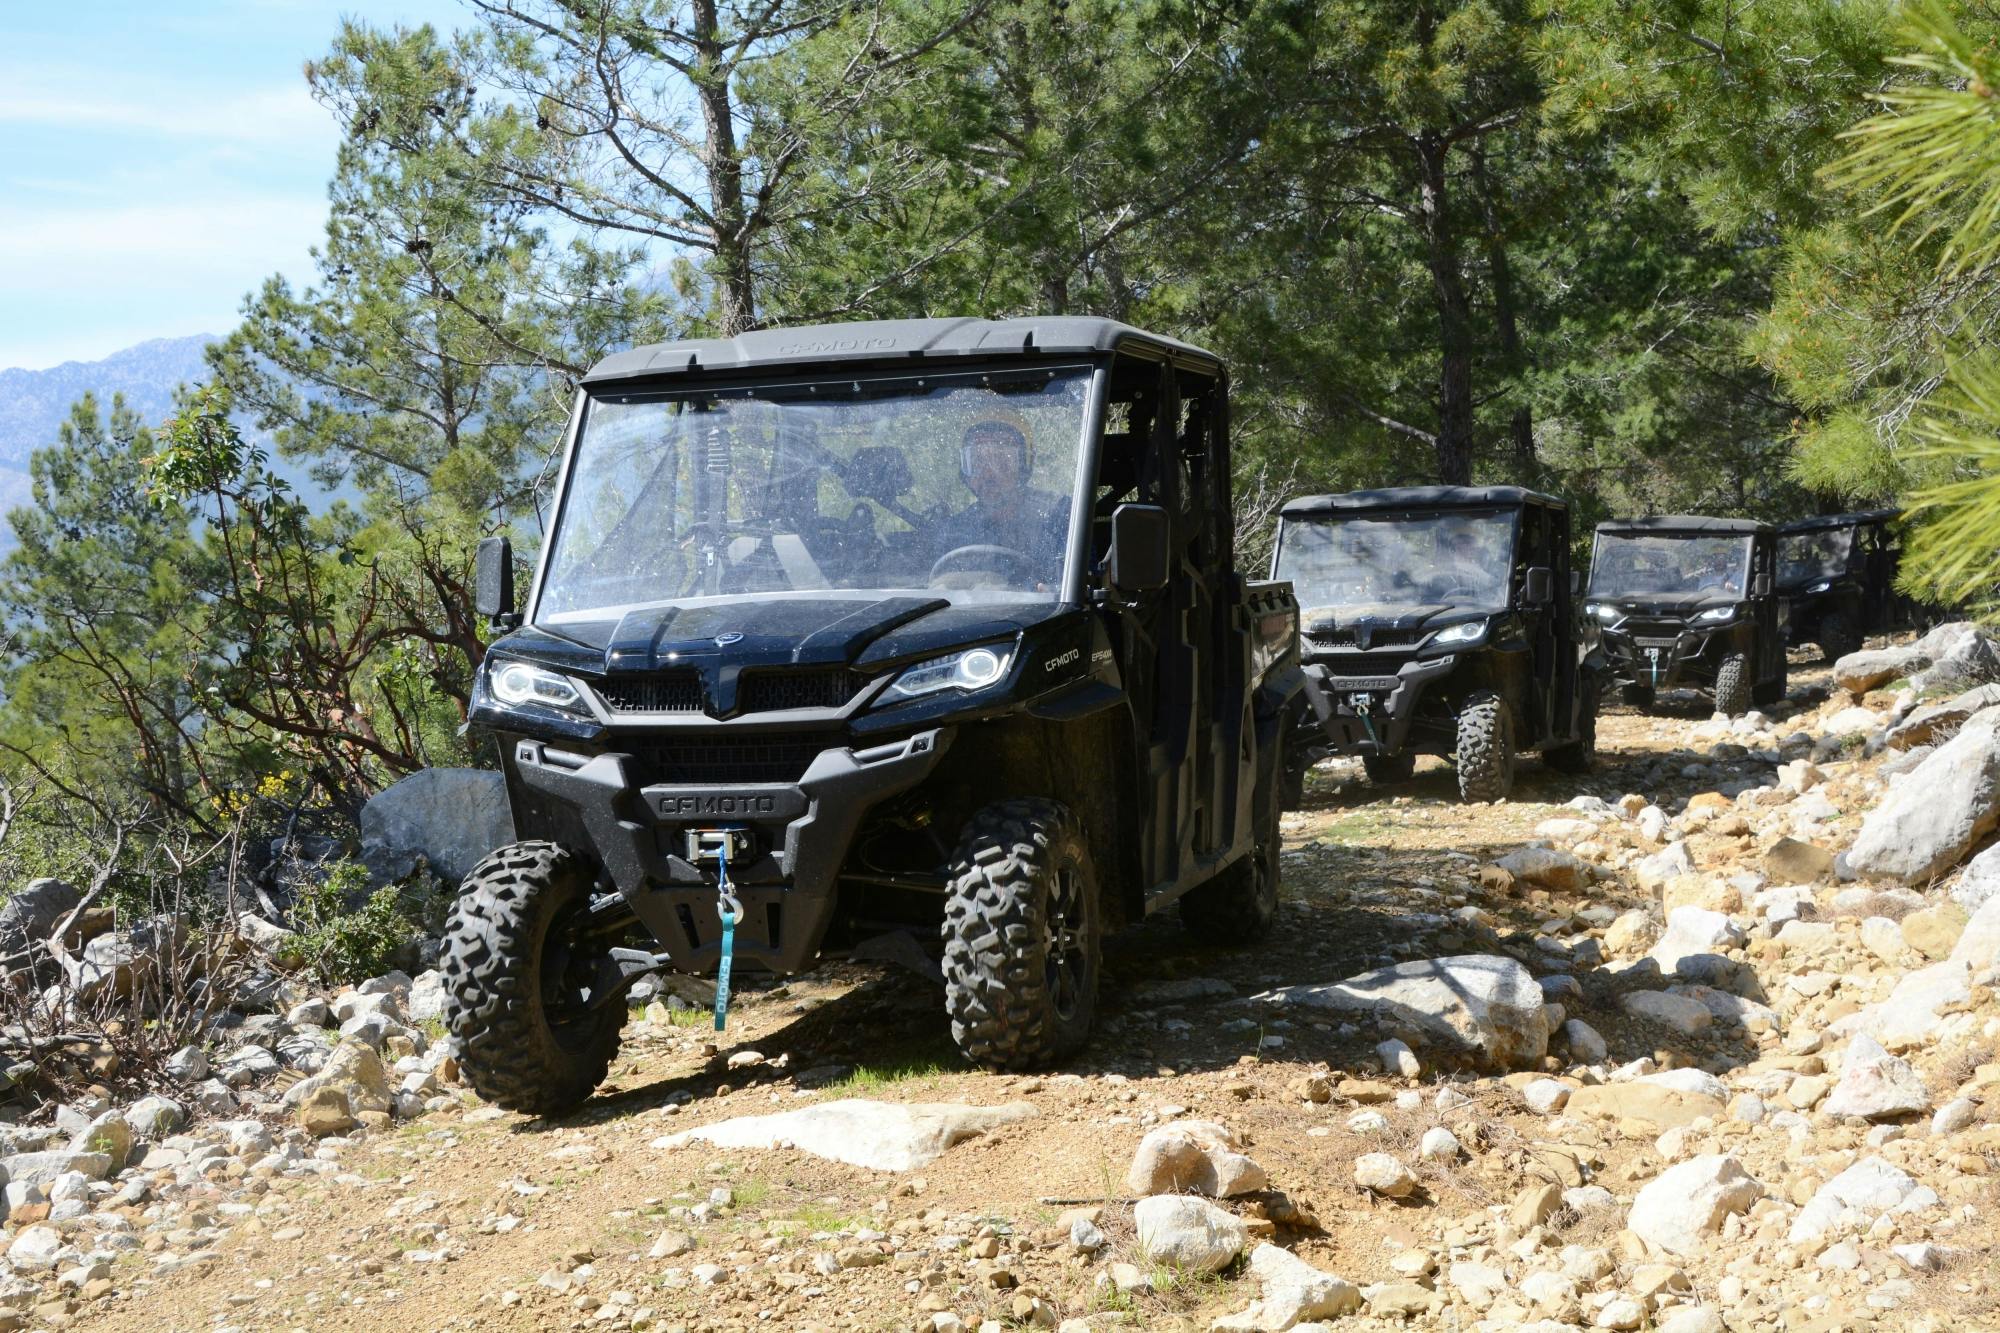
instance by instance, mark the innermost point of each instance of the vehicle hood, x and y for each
(1377, 615)
(720, 638)
(1667, 605)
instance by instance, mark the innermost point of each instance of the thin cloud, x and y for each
(283, 113)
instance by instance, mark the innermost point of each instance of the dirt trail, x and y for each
(478, 1219)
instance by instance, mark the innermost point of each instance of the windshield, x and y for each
(955, 485)
(1656, 562)
(1805, 556)
(1457, 559)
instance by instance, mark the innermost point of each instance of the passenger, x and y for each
(995, 460)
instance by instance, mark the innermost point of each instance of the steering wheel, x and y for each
(981, 559)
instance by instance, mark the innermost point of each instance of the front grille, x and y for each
(1359, 664)
(776, 691)
(1381, 638)
(716, 759)
(668, 692)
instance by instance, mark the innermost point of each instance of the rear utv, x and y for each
(1437, 621)
(927, 626)
(1683, 600)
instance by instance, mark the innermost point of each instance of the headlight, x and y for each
(1821, 586)
(1472, 631)
(1607, 614)
(972, 669)
(517, 683)
(1715, 615)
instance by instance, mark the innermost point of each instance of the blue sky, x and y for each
(158, 160)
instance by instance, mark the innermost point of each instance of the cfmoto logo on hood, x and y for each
(724, 640)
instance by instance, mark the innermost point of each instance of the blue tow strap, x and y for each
(731, 911)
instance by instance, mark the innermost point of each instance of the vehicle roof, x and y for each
(889, 341)
(1820, 522)
(1684, 523)
(1419, 497)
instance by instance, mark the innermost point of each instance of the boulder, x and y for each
(1483, 1008)
(1193, 1155)
(1875, 1085)
(357, 1071)
(1970, 662)
(1793, 862)
(155, 1117)
(1860, 672)
(1978, 946)
(1383, 1173)
(1855, 1198)
(1980, 884)
(1678, 1012)
(1681, 1210)
(35, 1249)
(1557, 871)
(1289, 1290)
(1935, 931)
(1692, 931)
(1188, 1233)
(882, 1136)
(448, 817)
(28, 919)
(1932, 818)
(282, 946)
(42, 1168)
(1655, 1103)
(108, 1134)
(1925, 725)
(427, 997)
(1653, 873)
(1908, 1018)
(325, 1110)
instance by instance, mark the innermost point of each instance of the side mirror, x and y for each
(1540, 587)
(1138, 558)
(1760, 584)
(1575, 582)
(493, 581)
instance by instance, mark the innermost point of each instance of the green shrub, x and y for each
(345, 944)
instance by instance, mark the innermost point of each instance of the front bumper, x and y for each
(1660, 661)
(798, 834)
(1371, 716)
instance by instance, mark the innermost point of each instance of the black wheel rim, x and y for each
(568, 972)
(1066, 943)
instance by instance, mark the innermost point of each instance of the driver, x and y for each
(995, 460)
(1459, 565)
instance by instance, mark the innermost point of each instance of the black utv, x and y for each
(926, 624)
(1685, 600)
(1837, 575)
(1437, 620)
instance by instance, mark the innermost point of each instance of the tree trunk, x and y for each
(1513, 355)
(1455, 342)
(722, 160)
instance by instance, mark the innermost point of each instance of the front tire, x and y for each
(1733, 685)
(1485, 749)
(1388, 768)
(1838, 637)
(508, 963)
(1021, 936)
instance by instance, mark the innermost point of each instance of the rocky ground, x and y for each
(1704, 1040)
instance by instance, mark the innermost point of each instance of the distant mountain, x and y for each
(33, 403)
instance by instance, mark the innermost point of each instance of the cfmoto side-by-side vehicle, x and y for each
(1684, 600)
(1437, 620)
(927, 624)
(1837, 575)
